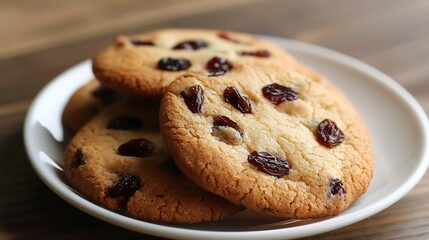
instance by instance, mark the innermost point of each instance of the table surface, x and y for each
(42, 38)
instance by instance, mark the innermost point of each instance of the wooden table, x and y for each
(40, 39)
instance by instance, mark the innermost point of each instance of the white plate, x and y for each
(397, 123)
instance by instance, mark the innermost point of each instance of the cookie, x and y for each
(273, 141)
(85, 103)
(119, 160)
(146, 64)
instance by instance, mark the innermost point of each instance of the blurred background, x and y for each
(40, 39)
(391, 35)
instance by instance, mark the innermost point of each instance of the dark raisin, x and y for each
(137, 148)
(268, 163)
(79, 158)
(174, 64)
(328, 134)
(217, 63)
(106, 95)
(240, 102)
(258, 53)
(194, 98)
(217, 72)
(191, 45)
(138, 42)
(124, 187)
(223, 121)
(277, 93)
(227, 36)
(336, 187)
(124, 122)
(225, 130)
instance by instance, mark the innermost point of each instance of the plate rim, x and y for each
(291, 232)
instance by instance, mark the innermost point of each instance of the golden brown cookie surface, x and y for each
(144, 65)
(273, 141)
(119, 160)
(85, 103)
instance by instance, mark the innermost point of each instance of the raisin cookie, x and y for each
(146, 64)
(85, 103)
(273, 141)
(119, 160)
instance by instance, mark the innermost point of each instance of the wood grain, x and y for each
(85, 19)
(42, 38)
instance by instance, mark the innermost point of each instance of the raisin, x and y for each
(217, 63)
(138, 42)
(328, 134)
(79, 158)
(227, 36)
(217, 72)
(259, 53)
(124, 122)
(106, 95)
(194, 99)
(191, 45)
(277, 93)
(124, 187)
(268, 163)
(137, 148)
(240, 102)
(227, 134)
(336, 187)
(222, 121)
(174, 64)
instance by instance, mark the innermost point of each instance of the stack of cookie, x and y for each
(188, 126)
